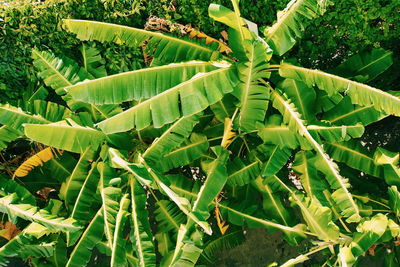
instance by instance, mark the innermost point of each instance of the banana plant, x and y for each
(168, 164)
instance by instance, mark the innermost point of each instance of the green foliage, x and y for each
(202, 142)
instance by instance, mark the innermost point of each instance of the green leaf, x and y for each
(303, 97)
(318, 217)
(345, 113)
(368, 233)
(93, 63)
(168, 216)
(240, 173)
(252, 94)
(366, 65)
(276, 160)
(71, 188)
(80, 255)
(390, 162)
(348, 207)
(168, 48)
(282, 35)
(138, 84)
(195, 95)
(394, 199)
(355, 156)
(57, 73)
(140, 231)
(170, 139)
(298, 229)
(275, 209)
(14, 118)
(34, 214)
(191, 150)
(360, 94)
(305, 164)
(215, 181)
(110, 197)
(118, 255)
(7, 135)
(64, 136)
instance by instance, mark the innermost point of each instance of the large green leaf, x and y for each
(215, 181)
(283, 136)
(390, 162)
(82, 209)
(273, 205)
(80, 255)
(282, 35)
(305, 164)
(32, 213)
(71, 188)
(168, 216)
(360, 94)
(342, 195)
(57, 73)
(170, 139)
(253, 95)
(118, 254)
(93, 63)
(7, 135)
(240, 173)
(168, 48)
(189, 151)
(137, 84)
(303, 97)
(347, 113)
(277, 158)
(185, 99)
(368, 233)
(14, 118)
(140, 231)
(62, 135)
(356, 156)
(366, 65)
(394, 199)
(110, 197)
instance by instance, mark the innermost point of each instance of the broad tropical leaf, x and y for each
(93, 234)
(360, 94)
(93, 63)
(7, 135)
(368, 233)
(34, 214)
(138, 84)
(345, 113)
(253, 95)
(140, 233)
(63, 135)
(282, 35)
(349, 208)
(195, 95)
(191, 150)
(356, 156)
(168, 48)
(170, 139)
(365, 66)
(71, 188)
(118, 254)
(215, 181)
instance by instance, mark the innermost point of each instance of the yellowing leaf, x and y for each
(36, 160)
(228, 133)
(9, 230)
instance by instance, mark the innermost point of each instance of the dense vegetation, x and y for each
(170, 160)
